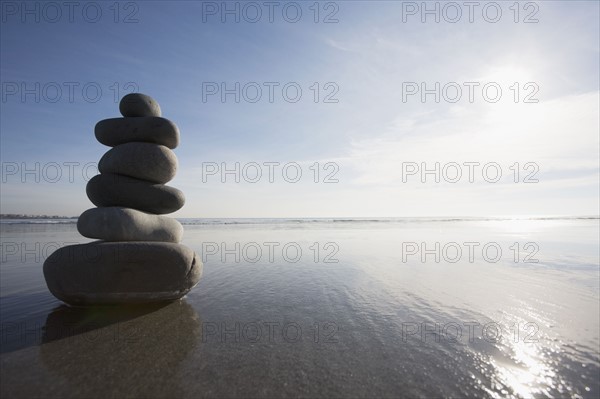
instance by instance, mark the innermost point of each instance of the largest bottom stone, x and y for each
(121, 272)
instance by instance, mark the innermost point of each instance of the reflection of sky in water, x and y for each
(546, 312)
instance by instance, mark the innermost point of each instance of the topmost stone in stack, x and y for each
(138, 104)
(138, 258)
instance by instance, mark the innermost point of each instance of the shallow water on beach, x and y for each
(364, 308)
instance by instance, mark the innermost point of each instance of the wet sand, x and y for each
(346, 316)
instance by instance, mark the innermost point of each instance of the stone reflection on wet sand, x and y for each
(106, 351)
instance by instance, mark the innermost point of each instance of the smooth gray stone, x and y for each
(125, 224)
(109, 273)
(150, 129)
(152, 162)
(138, 104)
(108, 189)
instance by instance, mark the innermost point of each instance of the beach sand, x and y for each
(325, 308)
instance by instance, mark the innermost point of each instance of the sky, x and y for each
(312, 109)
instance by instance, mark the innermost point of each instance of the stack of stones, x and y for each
(138, 257)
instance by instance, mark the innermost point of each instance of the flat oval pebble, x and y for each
(149, 129)
(121, 272)
(125, 224)
(138, 104)
(108, 189)
(152, 162)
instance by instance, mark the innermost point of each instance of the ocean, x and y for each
(421, 307)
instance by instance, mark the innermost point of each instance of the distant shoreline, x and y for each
(23, 216)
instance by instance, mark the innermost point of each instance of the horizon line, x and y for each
(542, 216)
